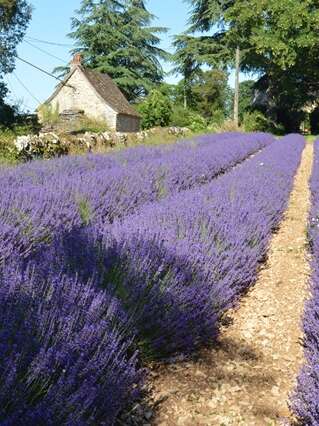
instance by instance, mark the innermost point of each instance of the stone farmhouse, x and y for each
(97, 96)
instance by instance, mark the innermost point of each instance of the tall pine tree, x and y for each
(116, 37)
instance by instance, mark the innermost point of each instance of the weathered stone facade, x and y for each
(97, 96)
(79, 94)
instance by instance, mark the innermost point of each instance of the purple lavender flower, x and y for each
(41, 199)
(305, 401)
(179, 263)
(64, 352)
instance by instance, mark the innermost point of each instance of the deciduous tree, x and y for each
(14, 18)
(278, 40)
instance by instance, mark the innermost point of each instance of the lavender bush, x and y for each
(112, 266)
(180, 263)
(185, 260)
(305, 401)
(64, 352)
(42, 199)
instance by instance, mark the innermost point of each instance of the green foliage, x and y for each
(85, 211)
(116, 37)
(49, 114)
(197, 123)
(314, 121)
(255, 121)
(8, 152)
(277, 39)
(210, 93)
(246, 97)
(14, 18)
(156, 110)
(88, 124)
(182, 117)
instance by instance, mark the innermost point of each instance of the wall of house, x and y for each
(127, 123)
(82, 96)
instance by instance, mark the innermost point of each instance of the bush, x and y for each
(48, 114)
(225, 127)
(256, 121)
(156, 110)
(218, 117)
(182, 117)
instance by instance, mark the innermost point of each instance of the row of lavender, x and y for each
(58, 333)
(306, 398)
(74, 312)
(38, 200)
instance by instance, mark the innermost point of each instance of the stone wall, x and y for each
(127, 123)
(78, 94)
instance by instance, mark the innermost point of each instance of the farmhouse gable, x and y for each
(97, 95)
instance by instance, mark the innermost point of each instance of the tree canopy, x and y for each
(278, 41)
(14, 18)
(117, 37)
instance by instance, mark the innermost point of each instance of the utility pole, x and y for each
(236, 98)
(185, 95)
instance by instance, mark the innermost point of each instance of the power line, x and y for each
(26, 88)
(49, 42)
(16, 98)
(43, 71)
(11, 86)
(44, 51)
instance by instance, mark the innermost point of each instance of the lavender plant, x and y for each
(305, 400)
(65, 352)
(164, 269)
(185, 260)
(42, 199)
(179, 263)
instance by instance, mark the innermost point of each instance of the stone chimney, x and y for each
(76, 61)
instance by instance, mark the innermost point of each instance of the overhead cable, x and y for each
(27, 89)
(44, 51)
(49, 42)
(44, 71)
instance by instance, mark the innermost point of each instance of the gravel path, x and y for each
(247, 378)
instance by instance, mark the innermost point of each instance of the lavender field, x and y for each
(109, 262)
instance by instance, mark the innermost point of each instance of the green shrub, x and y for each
(256, 121)
(197, 123)
(226, 126)
(218, 117)
(49, 114)
(156, 110)
(182, 117)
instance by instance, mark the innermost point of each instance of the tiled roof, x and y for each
(105, 87)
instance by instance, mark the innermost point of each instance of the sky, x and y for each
(51, 22)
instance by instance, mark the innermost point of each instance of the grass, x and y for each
(87, 124)
(311, 138)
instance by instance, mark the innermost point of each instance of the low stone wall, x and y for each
(51, 144)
